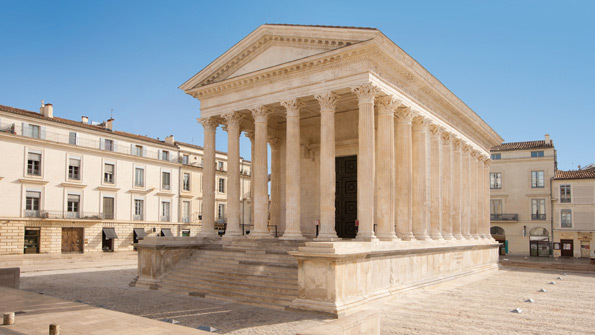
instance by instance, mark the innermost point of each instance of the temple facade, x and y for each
(376, 168)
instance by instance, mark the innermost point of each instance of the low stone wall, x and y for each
(157, 255)
(10, 277)
(341, 277)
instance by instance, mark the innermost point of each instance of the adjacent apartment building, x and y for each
(76, 186)
(574, 212)
(521, 202)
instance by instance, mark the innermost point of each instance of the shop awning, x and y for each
(110, 233)
(166, 232)
(140, 232)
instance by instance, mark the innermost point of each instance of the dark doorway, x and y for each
(346, 196)
(108, 236)
(32, 240)
(72, 240)
(567, 248)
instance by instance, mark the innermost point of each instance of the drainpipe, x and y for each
(551, 217)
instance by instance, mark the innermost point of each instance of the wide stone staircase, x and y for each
(251, 272)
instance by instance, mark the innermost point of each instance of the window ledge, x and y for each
(141, 191)
(33, 181)
(189, 196)
(73, 185)
(164, 194)
(108, 188)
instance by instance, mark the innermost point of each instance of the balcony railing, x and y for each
(64, 138)
(137, 217)
(59, 214)
(504, 217)
(537, 216)
(32, 213)
(164, 218)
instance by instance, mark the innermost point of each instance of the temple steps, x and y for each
(248, 272)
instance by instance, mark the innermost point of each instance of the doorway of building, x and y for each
(585, 249)
(499, 235)
(72, 240)
(539, 242)
(567, 248)
(346, 196)
(31, 240)
(108, 236)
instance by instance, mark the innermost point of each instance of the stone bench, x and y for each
(10, 277)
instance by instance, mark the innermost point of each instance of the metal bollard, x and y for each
(54, 329)
(8, 319)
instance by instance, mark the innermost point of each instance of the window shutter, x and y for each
(133, 150)
(115, 146)
(42, 133)
(25, 129)
(158, 154)
(144, 152)
(77, 137)
(101, 144)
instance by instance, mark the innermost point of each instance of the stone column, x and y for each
(208, 189)
(292, 171)
(480, 197)
(233, 175)
(465, 197)
(456, 189)
(447, 186)
(261, 199)
(486, 199)
(275, 183)
(436, 201)
(420, 229)
(366, 172)
(385, 167)
(404, 172)
(327, 102)
(250, 136)
(474, 190)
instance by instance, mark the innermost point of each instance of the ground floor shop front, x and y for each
(574, 244)
(61, 236)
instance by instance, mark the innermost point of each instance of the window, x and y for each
(537, 180)
(138, 209)
(108, 145)
(108, 208)
(74, 168)
(220, 166)
(165, 184)
(164, 211)
(496, 180)
(139, 177)
(164, 155)
(537, 153)
(185, 159)
(221, 185)
(496, 207)
(73, 205)
(496, 156)
(72, 138)
(186, 182)
(565, 193)
(186, 211)
(566, 218)
(108, 173)
(34, 164)
(538, 209)
(34, 131)
(221, 213)
(32, 203)
(137, 150)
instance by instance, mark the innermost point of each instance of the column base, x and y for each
(366, 238)
(448, 236)
(260, 235)
(406, 236)
(421, 237)
(391, 237)
(458, 236)
(207, 234)
(234, 235)
(437, 237)
(292, 235)
(328, 237)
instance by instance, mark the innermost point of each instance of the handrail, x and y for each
(504, 217)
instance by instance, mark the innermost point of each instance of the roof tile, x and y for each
(523, 146)
(575, 174)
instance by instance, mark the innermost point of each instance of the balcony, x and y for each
(65, 215)
(537, 216)
(504, 217)
(164, 218)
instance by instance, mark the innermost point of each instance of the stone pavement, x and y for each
(549, 263)
(35, 312)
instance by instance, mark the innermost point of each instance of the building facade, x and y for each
(71, 186)
(520, 196)
(574, 213)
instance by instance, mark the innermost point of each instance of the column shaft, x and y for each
(457, 190)
(474, 185)
(261, 199)
(275, 184)
(366, 172)
(486, 199)
(327, 167)
(250, 136)
(208, 190)
(436, 177)
(465, 197)
(404, 172)
(385, 167)
(447, 187)
(420, 230)
(233, 175)
(292, 172)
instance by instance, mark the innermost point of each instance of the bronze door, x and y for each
(567, 246)
(72, 240)
(346, 196)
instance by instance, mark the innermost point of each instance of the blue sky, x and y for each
(526, 67)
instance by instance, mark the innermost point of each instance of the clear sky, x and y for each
(526, 67)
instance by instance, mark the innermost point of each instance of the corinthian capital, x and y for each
(292, 106)
(274, 143)
(404, 114)
(419, 123)
(209, 124)
(250, 135)
(387, 105)
(232, 119)
(327, 101)
(366, 92)
(435, 129)
(446, 137)
(260, 113)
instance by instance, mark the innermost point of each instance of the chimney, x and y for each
(46, 110)
(169, 140)
(109, 124)
(547, 139)
(84, 119)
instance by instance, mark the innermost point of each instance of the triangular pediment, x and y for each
(272, 45)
